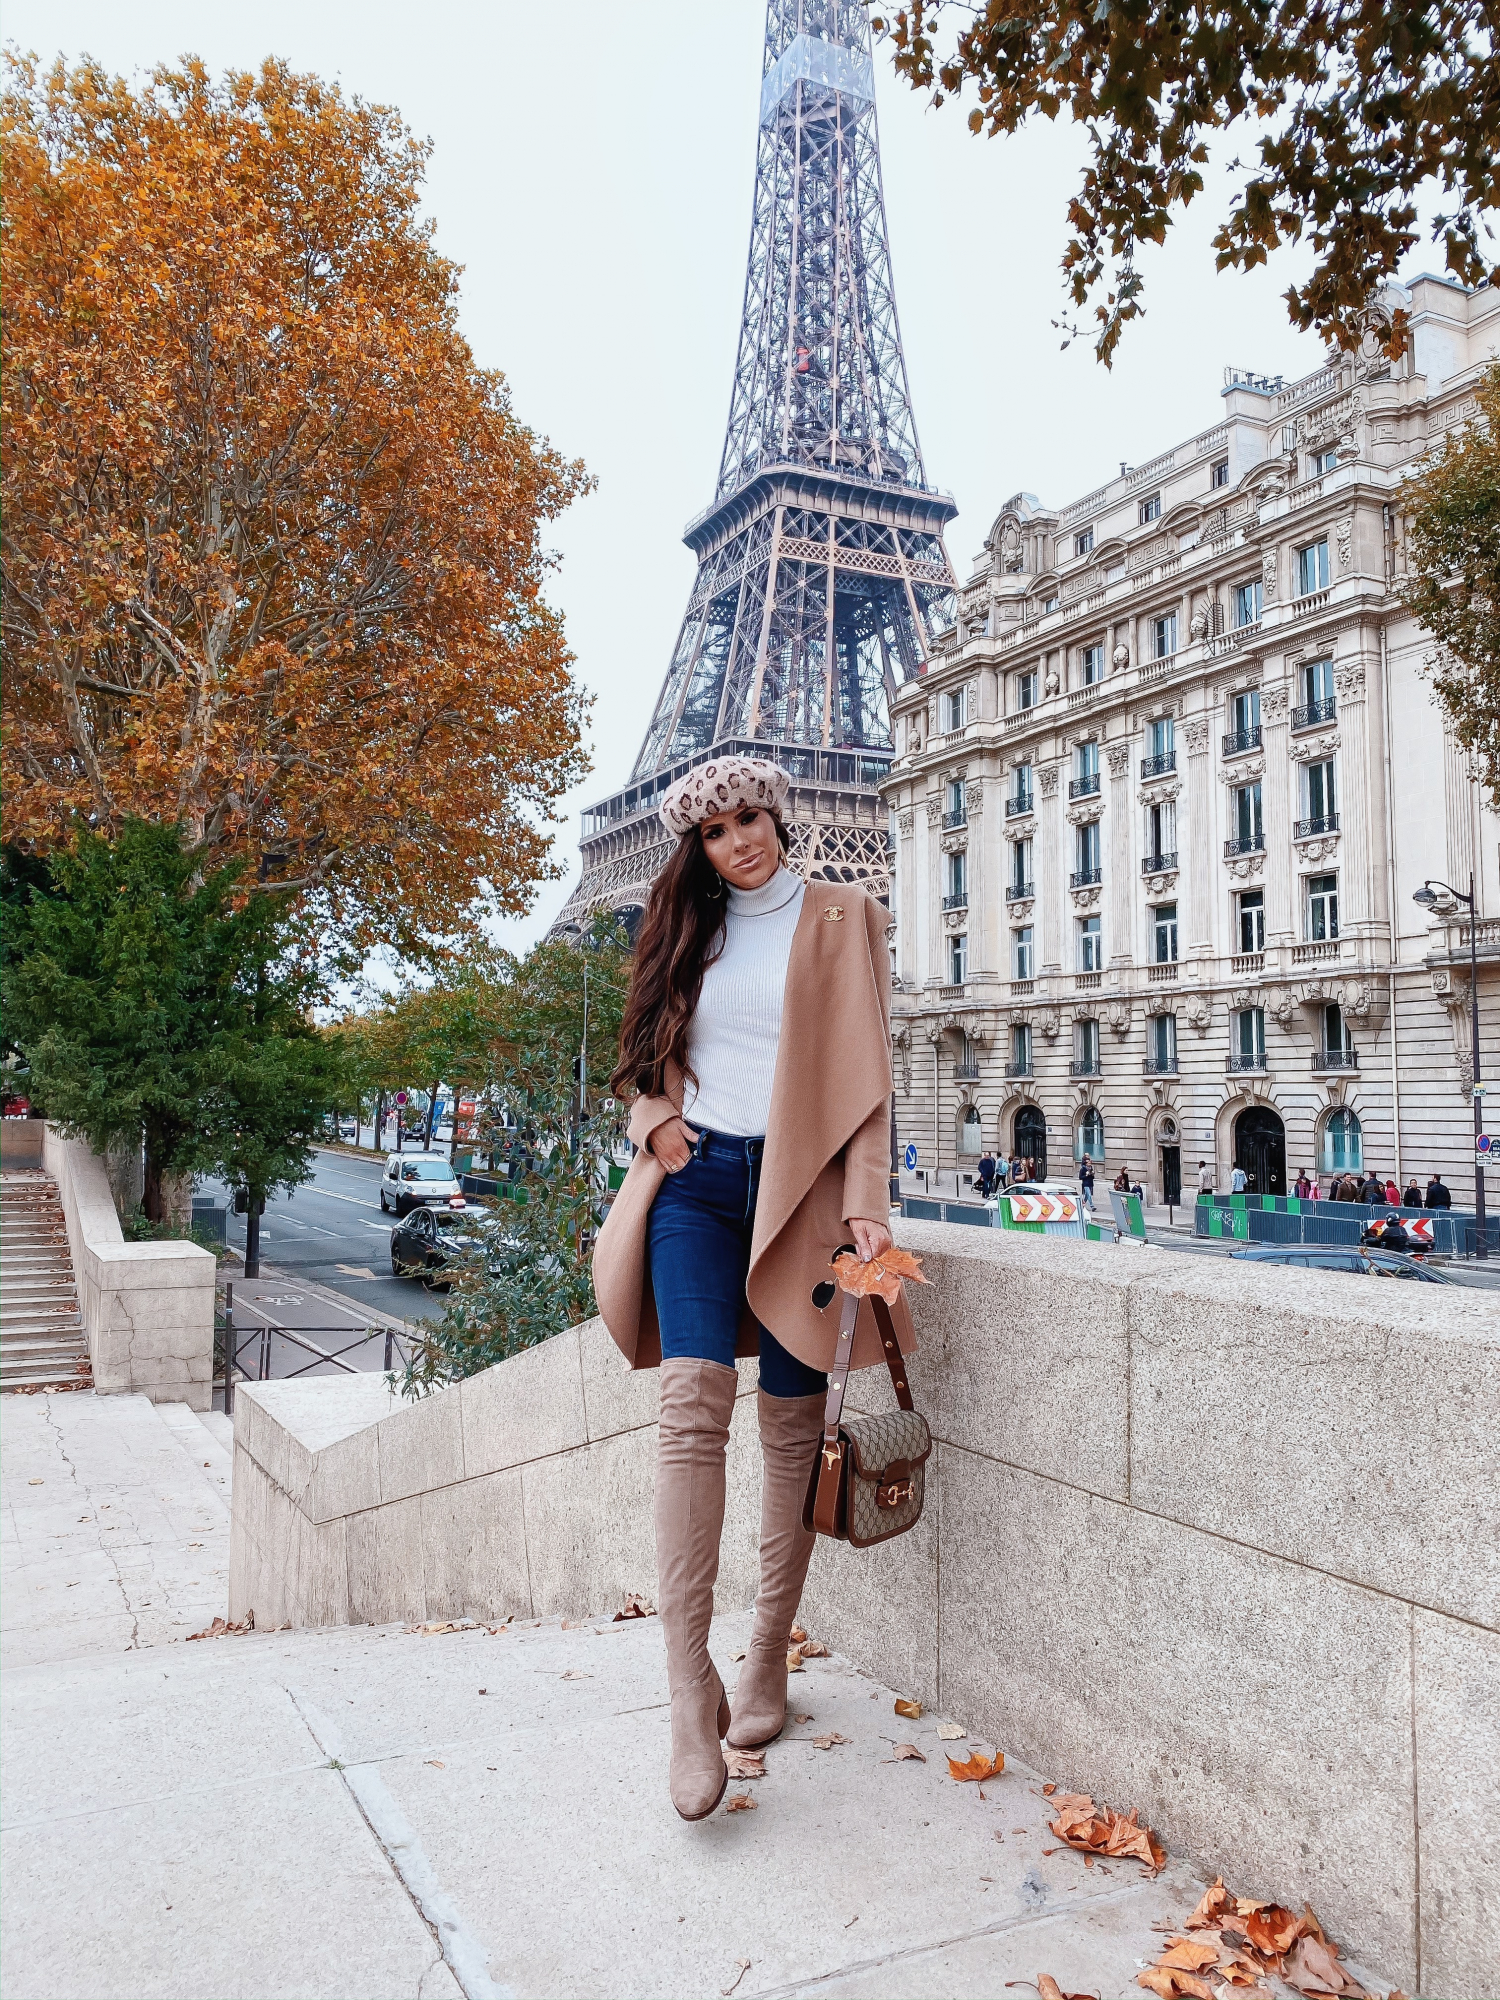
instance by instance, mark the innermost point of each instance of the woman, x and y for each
(756, 1041)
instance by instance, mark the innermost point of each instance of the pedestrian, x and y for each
(1121, 1182)
(1373, 1189)
(1205, 1178)
(1303, 1187)
(1086, 1179)
(1437, 1195)
(1412, 1197)
(987, 1172)
(1238, 1179)
(756, 1047)
(1392, 1193)
(1017, 1167)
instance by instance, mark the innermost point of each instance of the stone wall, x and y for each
(147, 1308)
(1215, 1541)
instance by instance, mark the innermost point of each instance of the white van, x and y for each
(415, 1180)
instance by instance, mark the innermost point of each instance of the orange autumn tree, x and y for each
(272, 565)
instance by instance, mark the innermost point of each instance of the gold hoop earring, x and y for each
(716, 895)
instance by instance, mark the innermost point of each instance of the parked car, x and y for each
(1363, 1263)
(411, 1180)
(431, 1237)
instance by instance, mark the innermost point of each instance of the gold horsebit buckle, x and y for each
(895, 1492)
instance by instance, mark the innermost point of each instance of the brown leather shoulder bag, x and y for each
(871, 1472)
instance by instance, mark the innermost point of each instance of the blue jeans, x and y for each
(699, 1246)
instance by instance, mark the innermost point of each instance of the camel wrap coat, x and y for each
(827, 1153)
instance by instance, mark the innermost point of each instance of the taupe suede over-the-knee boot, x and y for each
(697, 1401)
(790, 1427)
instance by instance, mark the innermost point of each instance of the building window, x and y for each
(1050, 603)
(1318, 796)
(1218, 473)
(1247, 715)
(1245, 601)
(1161, 835)
(1250, 1037)
(1023, 953)
(1026, 689)
(968, 1133)
(1248, 833)
(1322, 919)
(1151, 508)
(1252, 915)
(1337, 1040)
(1020, 1049)
(1090, 945)
(1020, 870)
(958, 882)
(1322, 461)
(1087, 781)
(957, 708)
(1086, 1048)
(1164, 636)
(1083, 542)
(1317, 682)
(955, 813)
(1343, 1147)
(1164, 933)
(1089, 1139)
(1088, 846)
(1161, 737)
(1093, 665)
(958, 960)
(1312, 568)
(1020, 797)
(1163, 1037)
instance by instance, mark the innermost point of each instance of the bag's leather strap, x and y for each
(838, 1375)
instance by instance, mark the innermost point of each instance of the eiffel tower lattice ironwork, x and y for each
(822, 575)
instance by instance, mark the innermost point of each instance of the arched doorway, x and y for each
(1260, 1148)
(1031, 1137)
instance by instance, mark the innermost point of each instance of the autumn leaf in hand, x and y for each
(882, 1274)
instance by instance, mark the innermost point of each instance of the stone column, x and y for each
(1118, 901)
(982, 893)
(1278, 811)
(1357, 856)
(908, 940)
(932, 877)
(1050, 864)
(1197, 860)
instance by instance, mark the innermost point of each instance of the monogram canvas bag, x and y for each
(870, 1477)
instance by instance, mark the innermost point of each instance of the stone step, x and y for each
(42, 1332)
(202, 1446)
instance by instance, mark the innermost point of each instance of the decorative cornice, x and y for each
(1118, 756)
(1245, 867)
(1313, 749)
(1238, 774)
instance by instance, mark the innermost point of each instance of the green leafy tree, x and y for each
(1453, 575)
(1353, 109)
(156, 1004)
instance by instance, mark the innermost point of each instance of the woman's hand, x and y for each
(673, 1143)
(872, 1239)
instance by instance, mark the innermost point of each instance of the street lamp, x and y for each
(1429, 895)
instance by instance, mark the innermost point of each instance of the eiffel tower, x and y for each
(822, 575)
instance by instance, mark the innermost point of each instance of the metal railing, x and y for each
(1019, 892)
(959, 900)
(1020, 802)
(1325, 1059)
(966, 1072)
(953, 819)
(1320, 823)
(258, 1341)
(1246, 843)
(1159, 1066)
(1085, 1066)
(1018, 1068)
(1084, 878)
(1158, 864)
(1084, 787)
(1158, 767)
(1236, 1065)
(1311, 713)
(1241, 739)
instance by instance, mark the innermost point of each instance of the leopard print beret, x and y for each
(725, 785)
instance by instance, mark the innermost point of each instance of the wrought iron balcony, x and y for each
(1020, 892)
(966, 1072)
(1322, 823)
(1085, 1066)
(1085, 787)
(1020, 802)
(1241, 739)
(1160, 1065)
(1246, 843)
(1237, 1064)
(1085, 878)
(1019, 1068)
(1158, 864)
(1325, 1059)
(1158, 767)
(959, 818)
(959, 900)
(1311, 713)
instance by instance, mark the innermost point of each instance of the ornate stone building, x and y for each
(1161, 801)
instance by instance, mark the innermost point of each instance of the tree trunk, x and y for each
(379, 1121)
(252, 1237)
(431, 1115)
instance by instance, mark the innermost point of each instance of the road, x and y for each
(331, 1232)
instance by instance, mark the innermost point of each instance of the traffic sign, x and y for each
(911, 1156)
(1482, 1142)
(400, 1096)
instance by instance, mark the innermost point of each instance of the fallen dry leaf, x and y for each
(1313, 1968)
(436, 1763)
(1048, 1790)
(1169, 1985)
(1185, 1956)
(744, 1763)
(827, 1742)
(446, 1625)
(737, 1656)
(977, 1767)
(222, 1629)
(796, 1635)
(881, 1274)
(1271, 1929)
(742, 1963)
(813, 1649)
(910, 1709)
(905, 1752)
(1049, 1989)
(794, 1662)
(802, 1718)
(741, 1802)
(1102, 1830)
(635, 1607)
(577, 1674)
(950, 1732)
(1214, 1904)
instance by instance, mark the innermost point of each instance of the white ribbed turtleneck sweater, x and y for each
(732, 1042)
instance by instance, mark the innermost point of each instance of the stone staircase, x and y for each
(41, 1332)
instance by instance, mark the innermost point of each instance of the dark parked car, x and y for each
(430, 1237)
(1364, 1263)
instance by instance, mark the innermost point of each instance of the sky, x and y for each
(592, 171)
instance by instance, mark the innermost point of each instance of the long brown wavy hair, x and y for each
(681, 935)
